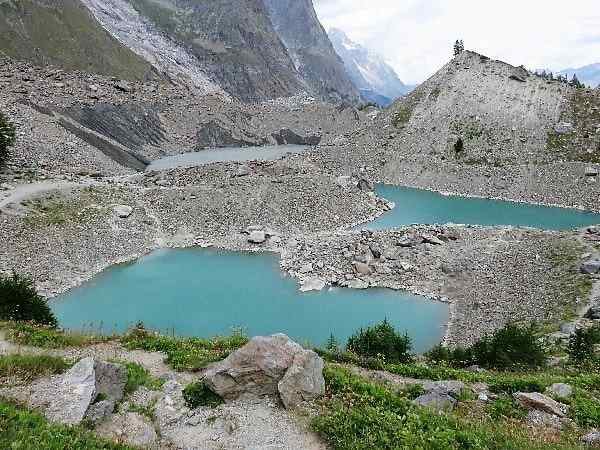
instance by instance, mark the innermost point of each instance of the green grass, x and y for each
(184, 353)
(45, 337)
(21, 429)
(67, 36)
(30, 367)
(360, 415)
(138, 376)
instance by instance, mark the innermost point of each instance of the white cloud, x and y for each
(416, 36)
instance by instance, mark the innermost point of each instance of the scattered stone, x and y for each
(243, 171)
(123, 211)
(258, 368)
(564, 128)
(365, 185)
(437, 401)
(362, 268)
(561, 391)
(535, 400)
(307, 268)
(100, 411)
(451, 387)
(592, 438)
(593, 313)
(312, 284)
(592, 172)
(431, 239)
(343, 181)
(543, 419)
(257, 237)
(591, 267)
(131, 428)
(123, 86)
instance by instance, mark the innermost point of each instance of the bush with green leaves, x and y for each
(7, 137)
(582, 343)
(198, 394)
(509, 348)
(381, 341)
(19, 301)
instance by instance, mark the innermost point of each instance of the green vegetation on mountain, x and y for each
(7, 137)
(65, 34)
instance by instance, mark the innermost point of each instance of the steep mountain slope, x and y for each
(310, 48)
(484, 127)
(64, 33)
(376, 79)
(588, 75)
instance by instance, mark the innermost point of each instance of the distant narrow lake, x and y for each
(239, 154)
(199, 292)
(426, 207)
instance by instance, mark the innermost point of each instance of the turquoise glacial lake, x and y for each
(205, 292)
(425, 207)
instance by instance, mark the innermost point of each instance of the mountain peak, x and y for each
(371, 74)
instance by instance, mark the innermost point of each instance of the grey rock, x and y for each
(592, 438)
(561, 391)
(257, 237)
(591, 267)
(431, 239)
(362, 268)
(564, 128)
(592, 171)
(258, 368)
(437, 401)
(543, 419)
(312, 284)
(110, 380)
(452, 388)
(243, 170)
(365, 185)
(593, 313)
(535, 400)
(97, 412)
(131, 428)
(568, 328)
(343, 181)
(303, 381)
(144, 397)
(123, 211)
(123, 86)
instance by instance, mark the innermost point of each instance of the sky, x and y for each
(416, 36)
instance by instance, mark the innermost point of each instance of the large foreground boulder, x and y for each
(70, 397)
(269, 365)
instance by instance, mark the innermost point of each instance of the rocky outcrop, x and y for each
(539, 402)
(268, 366)
(70, 398)
(307, 43)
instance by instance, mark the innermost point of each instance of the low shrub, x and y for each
(7, 137)
(30, 367)
(505, 407)
(381, 341)
(582, 343)
(198, 394)
(19, 301)
(138, 376)
(184, 353)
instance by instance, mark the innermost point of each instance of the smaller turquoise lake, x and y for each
(418, 206)
(200, 292)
